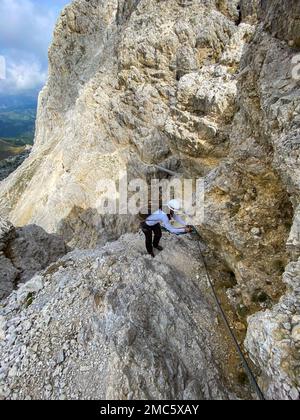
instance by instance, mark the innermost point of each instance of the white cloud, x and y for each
(26, 25)
(22, 76)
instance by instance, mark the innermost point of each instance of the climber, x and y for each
(153, 224)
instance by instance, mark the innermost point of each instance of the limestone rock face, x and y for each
(268, 79)
(6, 233)
(111, 103)
(201, 89)
(274, 340)
(281, 19)
(113, 323)
(251, 10)
(8, 273)
(24, 252)
(33, 249)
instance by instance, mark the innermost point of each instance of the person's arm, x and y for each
(179, 220)
(170, 228)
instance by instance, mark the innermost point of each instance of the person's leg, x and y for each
(157, 236)
(148, 234)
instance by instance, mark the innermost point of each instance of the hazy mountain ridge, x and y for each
(17, 123)
(134, 85)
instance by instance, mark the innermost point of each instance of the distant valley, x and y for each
(8, 149)
(17, 124)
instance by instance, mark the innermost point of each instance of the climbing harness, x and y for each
(246, 366)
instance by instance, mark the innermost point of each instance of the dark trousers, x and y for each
(148, 231)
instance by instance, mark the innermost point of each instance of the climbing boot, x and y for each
(159, 248)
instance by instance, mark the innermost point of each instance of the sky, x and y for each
(26, 28)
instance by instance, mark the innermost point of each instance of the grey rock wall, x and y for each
(24, 252)
(179, 84)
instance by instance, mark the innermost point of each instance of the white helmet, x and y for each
(174, 205)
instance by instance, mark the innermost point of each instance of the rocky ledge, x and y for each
(24, 252)
(113, 323)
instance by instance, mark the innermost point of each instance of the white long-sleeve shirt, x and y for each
(161, 217)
